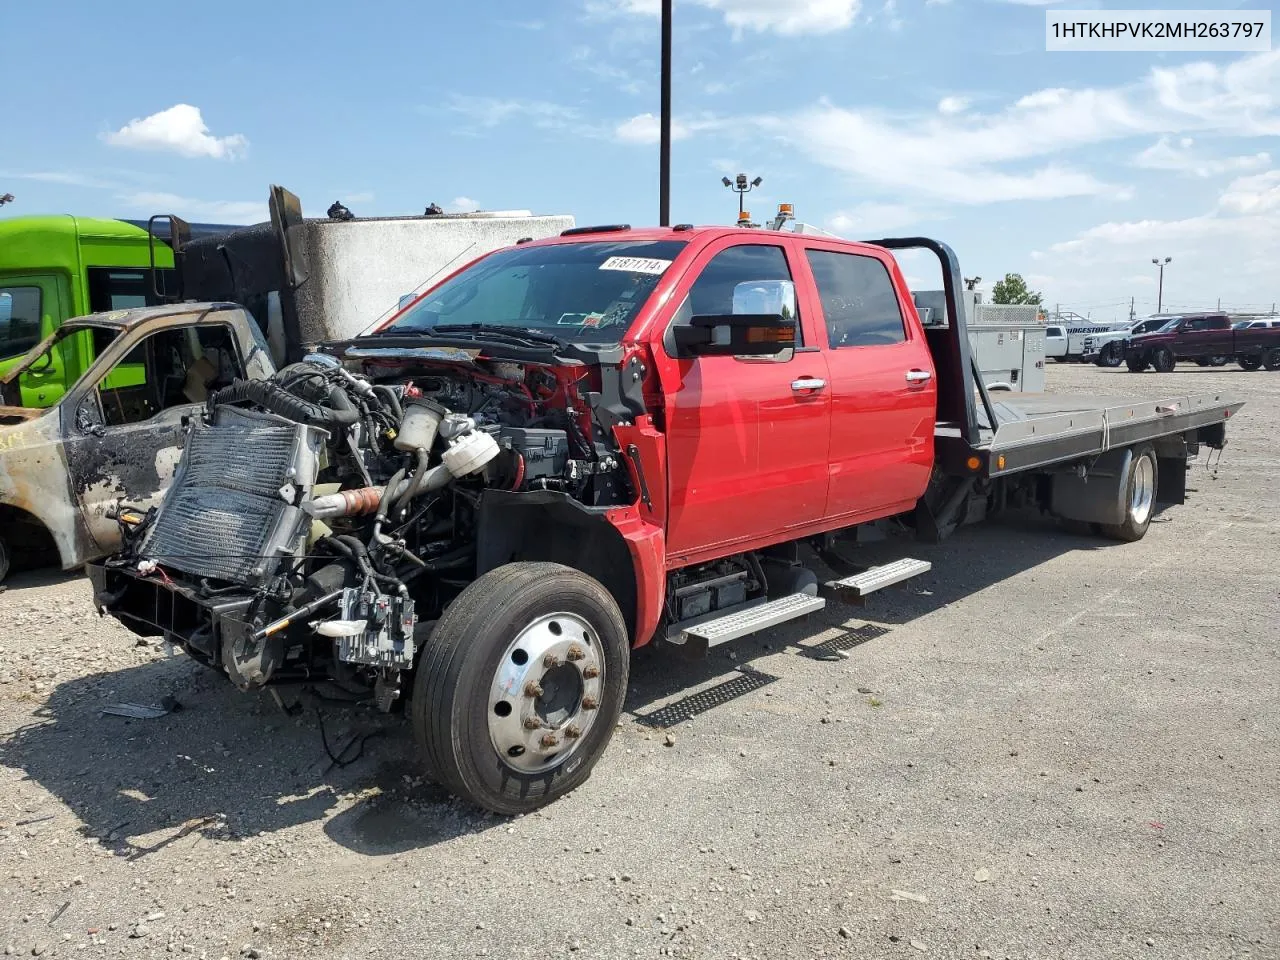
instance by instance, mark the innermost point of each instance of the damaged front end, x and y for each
(321, 520)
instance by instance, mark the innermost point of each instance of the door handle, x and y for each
(919, 376)
(807, 383)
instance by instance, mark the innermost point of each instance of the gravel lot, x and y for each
(1050, 746)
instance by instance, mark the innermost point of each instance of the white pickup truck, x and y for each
(1106, 348)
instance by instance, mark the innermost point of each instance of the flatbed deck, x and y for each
(1034, 430)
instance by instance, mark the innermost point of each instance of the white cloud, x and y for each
(61, 177)
(953, 105)
(981, 158)
(644, 128)
(180, 129)
(1227, 252)
(868, 219)
(1253, 195)
(462, 205)
(786, 17)
(146, 203)
(491, 111)
(1181, 157)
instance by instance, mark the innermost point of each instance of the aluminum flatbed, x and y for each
(1035, 430)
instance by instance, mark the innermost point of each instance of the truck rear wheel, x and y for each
(1163, 360)
(1140, 497)
(1249, 363)
(4, 558)
(1271, 359)
(520, 686)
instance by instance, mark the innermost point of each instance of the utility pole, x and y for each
(1132, 316)
(1160, 288)
(664, 146)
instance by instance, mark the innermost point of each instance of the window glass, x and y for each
(589, 291)
(169, 369)
(113, 288)
(19, 320)
(712, 294)
(1053, 332)
(858, 298)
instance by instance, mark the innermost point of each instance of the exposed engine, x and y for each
(317, 517)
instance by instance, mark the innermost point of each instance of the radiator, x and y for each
(233, 511)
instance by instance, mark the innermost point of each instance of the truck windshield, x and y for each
(576, 291)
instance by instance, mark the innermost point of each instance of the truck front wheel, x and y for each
(520, 686)
(1111, 355)
(1163, 360)
(4, 558)
(1136, 364)
(1140, 497)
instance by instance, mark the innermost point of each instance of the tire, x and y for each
(472, 666)
(1163, 360)
(1111, 355)
(1140, 497)
(4, 558)
(1249, 363)
(1271, 359)
(1219, 361)
(1135, 364)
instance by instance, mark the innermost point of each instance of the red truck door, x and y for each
(746, 437)
(1204, 337)
(883, 393)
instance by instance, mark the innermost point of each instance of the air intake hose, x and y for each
(279, 400)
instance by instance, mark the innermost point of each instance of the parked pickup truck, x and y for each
(577, 446)
(117, 431)
(1203, 337)
(1107, 349)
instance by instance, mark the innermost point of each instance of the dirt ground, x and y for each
(1050, 746)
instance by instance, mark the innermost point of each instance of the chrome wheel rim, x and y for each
(1143, 492)
(546, 692)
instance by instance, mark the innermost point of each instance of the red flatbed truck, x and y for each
(575, 446)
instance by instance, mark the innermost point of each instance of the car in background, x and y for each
(1055, 343)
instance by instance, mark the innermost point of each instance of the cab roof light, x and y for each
(603, 228)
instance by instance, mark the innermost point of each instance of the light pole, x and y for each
(1160, 288)
(664, 123)
(740, 186)
(971, 282)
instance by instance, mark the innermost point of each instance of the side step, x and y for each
(856, 588)
(712, 633)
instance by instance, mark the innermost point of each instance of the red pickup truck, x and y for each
(577, 446)
(1208, 339)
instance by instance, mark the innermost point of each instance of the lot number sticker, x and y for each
(636, 265)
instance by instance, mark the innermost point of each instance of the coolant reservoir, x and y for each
(418, 428)
(469, 453)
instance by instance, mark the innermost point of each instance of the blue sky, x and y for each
(874, 117)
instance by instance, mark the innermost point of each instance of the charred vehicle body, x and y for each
(574, 446)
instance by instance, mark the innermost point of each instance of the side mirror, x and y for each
(736, 335)
(762, 324)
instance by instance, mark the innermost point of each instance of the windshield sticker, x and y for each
(637, 265)
(579, 320)
(592, 319)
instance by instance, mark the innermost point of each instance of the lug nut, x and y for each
(575, 653)
(573, 731)
(550, 660)
(533, 689)
(532, 723)
(590, 673)
(590, 703)
(549, 740)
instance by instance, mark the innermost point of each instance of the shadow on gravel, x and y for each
(227, 766)
(230, 765)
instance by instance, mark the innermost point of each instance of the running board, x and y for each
(856, 588)
(712, 633)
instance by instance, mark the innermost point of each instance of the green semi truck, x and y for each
(53, 268)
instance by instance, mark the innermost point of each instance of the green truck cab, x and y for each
(53, 268)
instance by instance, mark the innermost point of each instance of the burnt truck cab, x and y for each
(572, 447)
(116, 433)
